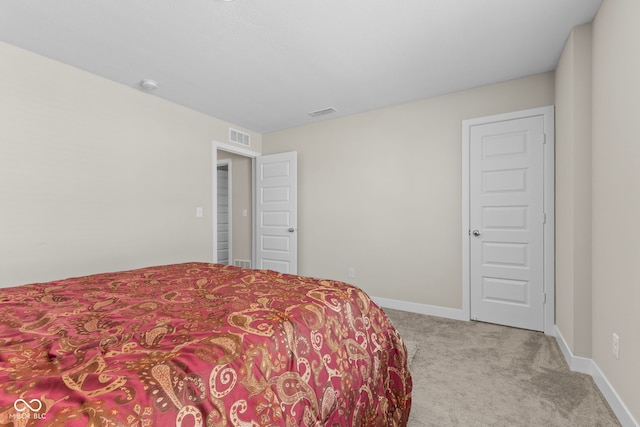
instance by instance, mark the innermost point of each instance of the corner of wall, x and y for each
(573, 191)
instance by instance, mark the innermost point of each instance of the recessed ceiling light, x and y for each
(148, 84)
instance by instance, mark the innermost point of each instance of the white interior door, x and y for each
(506, 222)
(277, 212)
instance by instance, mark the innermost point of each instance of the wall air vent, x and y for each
(322, 112)
(239, 137)
(242, 263)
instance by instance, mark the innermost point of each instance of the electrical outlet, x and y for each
(615, 345)
(351, 272)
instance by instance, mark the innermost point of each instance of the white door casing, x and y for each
(224, 213)
(276, 212)
(278, 264)
(508, 223)
(216, 145)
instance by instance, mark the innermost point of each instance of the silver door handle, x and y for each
(476, 232)
(291, 230)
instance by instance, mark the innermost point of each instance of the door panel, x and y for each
(506, 174)
(276, 212)
(504, 217)
(505, 291)
(501, 254)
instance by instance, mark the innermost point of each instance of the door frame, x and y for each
(227, 163)
(549, 210)
(217, 145)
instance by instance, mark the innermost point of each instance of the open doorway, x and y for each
(224, 202)
(262, 246)
(234, 209)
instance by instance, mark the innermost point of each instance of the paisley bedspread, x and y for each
(199, 345)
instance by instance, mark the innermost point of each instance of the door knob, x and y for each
(476, 232)
(291, 230)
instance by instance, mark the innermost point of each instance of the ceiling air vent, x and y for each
(322, 112)
(239, 137)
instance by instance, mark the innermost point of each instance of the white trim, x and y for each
(429, 310)
(550, 223)
(617, 405)
(589, 367)
(215, 146)
(576, 363)
(254, 218)
(466, 219)
(549, 227)
(235, 149)
(228, 163)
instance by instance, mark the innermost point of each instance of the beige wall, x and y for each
(241, 178)
(381, 191)
(616, 197)
(96, 176)
(573, 192)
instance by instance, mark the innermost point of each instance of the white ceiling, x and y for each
(264, 64)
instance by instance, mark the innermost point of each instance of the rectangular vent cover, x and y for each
(323, 112)
(242, 263)
(239, 137)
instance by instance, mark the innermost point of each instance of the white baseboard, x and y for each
(588, 366)
(429, 310)
(576, 363)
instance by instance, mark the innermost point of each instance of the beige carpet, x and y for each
(479, 374)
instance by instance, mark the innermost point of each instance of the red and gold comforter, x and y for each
(199, 345)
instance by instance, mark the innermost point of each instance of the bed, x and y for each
(199, 344)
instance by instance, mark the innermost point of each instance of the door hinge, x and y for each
(544, 139)
(544, 218)
(544, 299)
